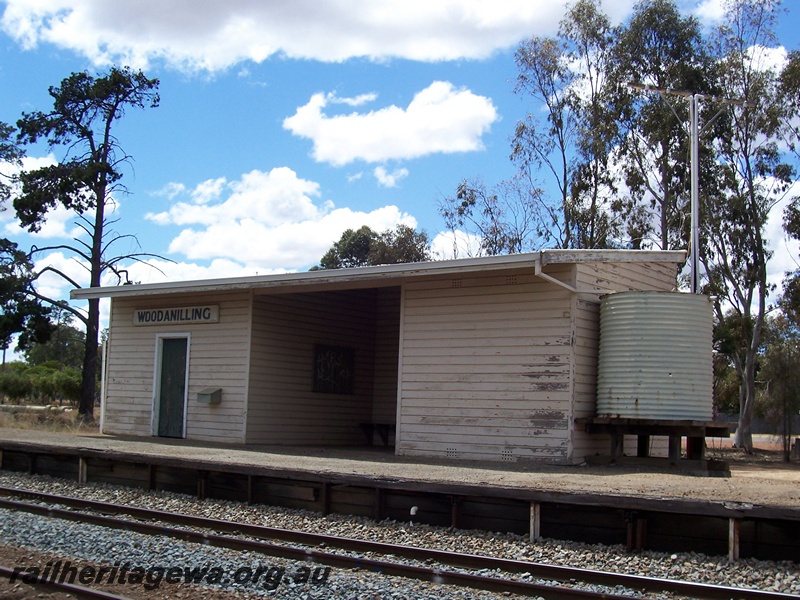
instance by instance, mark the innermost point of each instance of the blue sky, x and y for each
(283, 123)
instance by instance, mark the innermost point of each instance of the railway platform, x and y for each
(755, 511)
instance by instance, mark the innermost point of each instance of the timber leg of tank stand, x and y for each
(695, 448)
(617, 445)
(643, 446)
(674, 448)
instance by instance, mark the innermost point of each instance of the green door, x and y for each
(172, 387)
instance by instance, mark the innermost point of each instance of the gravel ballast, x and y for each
(113, 547)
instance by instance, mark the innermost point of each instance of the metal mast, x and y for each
(694, 135)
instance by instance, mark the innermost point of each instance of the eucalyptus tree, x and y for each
(589, 40)
(790, 96)
(735, 249)
(790, 299)
(505, 218)
(660, 48)
(571, 139)
(81, 127)
(780, 377)
(543, 141)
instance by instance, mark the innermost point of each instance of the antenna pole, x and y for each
(694, 252)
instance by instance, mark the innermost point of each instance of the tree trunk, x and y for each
(747, 399)
(89, 374)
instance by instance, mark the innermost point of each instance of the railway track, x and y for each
(79, 591)
(306, 547)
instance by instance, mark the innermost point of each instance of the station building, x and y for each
(490, 358)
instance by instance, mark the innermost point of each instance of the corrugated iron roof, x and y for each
(380, 276)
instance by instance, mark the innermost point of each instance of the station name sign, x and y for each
(176, 316)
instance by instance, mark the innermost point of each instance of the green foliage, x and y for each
(364, 247)
(20, 313)
(352, 250)
(10, 154)
(571, 140)
(780, 377)
(401, 245)
(753, 177)
(506, 219)
(658, 47)
(790, 96)
(84, 109)
(41, 384)
(15, 385)
(726, 386)
(65, 347)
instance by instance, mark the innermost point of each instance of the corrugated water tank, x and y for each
(654, 359)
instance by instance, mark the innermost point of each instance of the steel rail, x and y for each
(432, 575)
(79, 591)
(453, 559)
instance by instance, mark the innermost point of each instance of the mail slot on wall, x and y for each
(210, 396)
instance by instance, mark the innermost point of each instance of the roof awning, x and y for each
(380, 276)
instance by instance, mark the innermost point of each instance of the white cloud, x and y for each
(768, 59)
(266, 197)
(439, 119)
(389, 180)
(710, 11)
(448, 245)
(267, 222)
(158, 271)
(786, 250)
(171, 190)
(53, 285)
(60, 222)
(209, 190)
(212, 35)
(357, 101)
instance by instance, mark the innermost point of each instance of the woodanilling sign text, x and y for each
(176, 316)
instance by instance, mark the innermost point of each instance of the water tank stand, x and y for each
(695, 433)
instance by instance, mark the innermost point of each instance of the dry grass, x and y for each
(53, 419)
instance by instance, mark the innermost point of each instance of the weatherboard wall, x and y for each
(486, 367)
(284, 408)
(387, 348)
(218, 355)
